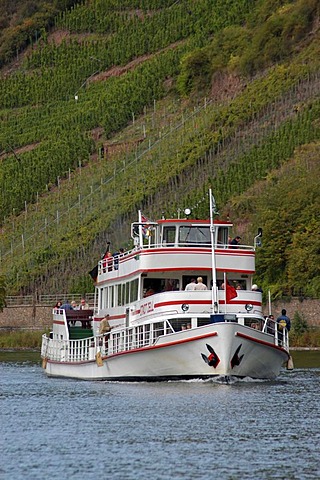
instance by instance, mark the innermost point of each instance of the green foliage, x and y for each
(229, 146)
(2, 292)
(287, 208)
(277, 33)
(194, 72)
(299, 324)
(309, 338)
(24, 22)
(20, 339)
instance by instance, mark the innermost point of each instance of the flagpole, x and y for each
(140, 229)
(225, 291)
(215, 304)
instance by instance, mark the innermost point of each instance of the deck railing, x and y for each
(46, 300)
(73, 350)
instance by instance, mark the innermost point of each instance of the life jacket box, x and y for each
(216, 318)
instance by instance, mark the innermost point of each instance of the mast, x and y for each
(140, 229)
(214, 290)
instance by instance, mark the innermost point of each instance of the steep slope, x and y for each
(166, 159)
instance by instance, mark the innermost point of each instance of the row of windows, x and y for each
(117, 295)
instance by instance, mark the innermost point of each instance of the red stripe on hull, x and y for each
(262, 342)
(169, 344)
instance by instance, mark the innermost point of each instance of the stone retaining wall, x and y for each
(27, 317)
(308, 308)
(39, 317)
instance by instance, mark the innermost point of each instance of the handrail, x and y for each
(46, 300)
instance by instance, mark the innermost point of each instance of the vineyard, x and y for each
(82, 149)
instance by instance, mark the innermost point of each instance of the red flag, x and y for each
(145, 226)
(231, 292)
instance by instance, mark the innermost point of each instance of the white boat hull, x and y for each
(239, 351)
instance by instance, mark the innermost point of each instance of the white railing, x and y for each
(46, 300)
(73, 350)
(281, 336)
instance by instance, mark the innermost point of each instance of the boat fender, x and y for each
(290, 363)
(99, 359)
(44, 363)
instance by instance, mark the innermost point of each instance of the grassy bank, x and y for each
(308, 339)
(31, 339)
(20, 340)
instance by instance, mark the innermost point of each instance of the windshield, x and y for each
(194, 235)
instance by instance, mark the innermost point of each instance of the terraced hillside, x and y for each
(131, 104)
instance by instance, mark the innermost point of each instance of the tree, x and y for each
(2, 293)
(299, 324)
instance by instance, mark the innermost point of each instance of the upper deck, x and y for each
(179, 245)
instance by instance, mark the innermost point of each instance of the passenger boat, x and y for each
(159, 329)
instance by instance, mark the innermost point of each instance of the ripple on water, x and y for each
(197, 429)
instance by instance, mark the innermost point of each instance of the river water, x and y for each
(61, 428)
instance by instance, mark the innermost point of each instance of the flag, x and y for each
(213, 205)
(94, 273)
(145, 228)
(231, 292)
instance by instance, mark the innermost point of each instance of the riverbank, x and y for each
(21, 340)
(24, 339)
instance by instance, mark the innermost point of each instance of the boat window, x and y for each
(120, 294)
(222, 236)
(127, 294)
(203, 321)
(169, 236)
(158, 285)
(134, 290)
(110, 302)
(158, 329)
(187, 279)
(253, 323)
(183, 323)
(194, 235)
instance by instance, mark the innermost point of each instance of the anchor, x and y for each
(236, 360)
(212, 359)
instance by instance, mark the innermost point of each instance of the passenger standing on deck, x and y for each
(283, 322)
(270, 324)
(104, 329)
(104, 325)
(200, 285)
(192, 285)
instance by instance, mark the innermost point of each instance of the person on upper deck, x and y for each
(200, 285)
(235, 242)
(58, 305)
(74, 305)
(66, 306)
(192, 285)
(116, 256)
(255, 288)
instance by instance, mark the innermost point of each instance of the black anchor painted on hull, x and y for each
(212, 360)
(236, 360)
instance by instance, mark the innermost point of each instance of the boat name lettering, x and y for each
(146, 308)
